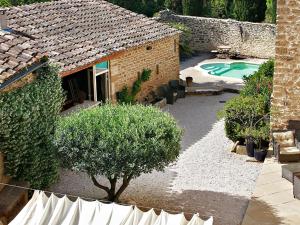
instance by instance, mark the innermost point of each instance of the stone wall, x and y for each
(19, 83)
(251, 39)
(162, 57)
(286, 90)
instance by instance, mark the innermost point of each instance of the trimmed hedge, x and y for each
(28, 118)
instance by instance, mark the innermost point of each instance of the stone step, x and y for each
(289, 170)
(203, 91)
(296, 186)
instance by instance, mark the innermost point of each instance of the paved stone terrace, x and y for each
(272, 202)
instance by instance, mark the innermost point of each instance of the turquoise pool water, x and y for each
(234, 70)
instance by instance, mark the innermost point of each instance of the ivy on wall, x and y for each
(129, 97)
(28, 117)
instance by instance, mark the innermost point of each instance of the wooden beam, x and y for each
(102, 59)
(95, 83)
(89, 85)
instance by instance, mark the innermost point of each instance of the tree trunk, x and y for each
(112, 190)
(112, 194)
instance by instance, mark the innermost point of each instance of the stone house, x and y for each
(286, 89)
(99, 46)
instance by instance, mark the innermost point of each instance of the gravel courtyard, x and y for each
(207, 178)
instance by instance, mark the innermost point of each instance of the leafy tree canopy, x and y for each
(118, 142)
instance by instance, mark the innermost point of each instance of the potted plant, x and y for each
(260, 152)
(254, 138)
(255, 132)
(250, 146)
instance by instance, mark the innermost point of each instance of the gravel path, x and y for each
(214, 167)
(207, 178)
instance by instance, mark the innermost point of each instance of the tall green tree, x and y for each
(147, 7)
(221, 8)
(192, 7)
(174, 5)
(274, 10)
(249, 10)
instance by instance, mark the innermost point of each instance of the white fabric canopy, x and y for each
(43, 210)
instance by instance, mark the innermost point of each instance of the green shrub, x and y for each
(260, 83)
(118, 142)
(241, 113)
(185, 49)
(28, 118)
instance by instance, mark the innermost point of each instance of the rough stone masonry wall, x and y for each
(286, 89)
(162, 59)
(20, 83)
(251, 39)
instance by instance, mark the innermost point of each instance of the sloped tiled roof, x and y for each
(16, 53)
(75, 33)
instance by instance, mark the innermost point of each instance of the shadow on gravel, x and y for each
(226, 209)
(197, 115)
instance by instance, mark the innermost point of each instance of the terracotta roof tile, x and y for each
(17, 52)
(73, 32)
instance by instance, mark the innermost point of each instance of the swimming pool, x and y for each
(234, 70)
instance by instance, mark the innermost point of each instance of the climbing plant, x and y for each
(129, 97)
(185, 49)
(28, 117)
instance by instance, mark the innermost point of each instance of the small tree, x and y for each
(185, 49)
(118, 142)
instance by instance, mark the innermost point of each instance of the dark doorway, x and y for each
(76, 88)
(101, 88)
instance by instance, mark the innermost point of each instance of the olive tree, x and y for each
(119, 142)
